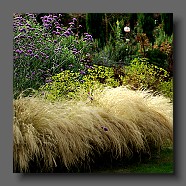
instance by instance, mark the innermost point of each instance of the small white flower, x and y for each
(127, 40)
(127, 29)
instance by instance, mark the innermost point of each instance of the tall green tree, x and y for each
(167, 19)
(96, 27)
(147, 23)
(132, 20)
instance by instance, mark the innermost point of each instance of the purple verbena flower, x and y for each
(66, 33)
(58, 27)
(44, 34)
(29, 51)
(19, 51)
(22, 30)
(57, 24)
(36, 56)
(49, 19)
(82, 60)
(58, 33)
(104, 128)
(31, 29)
(31, 15)
(74, 19)
(28, 25)
(74, 49)
(88, 37)
(71, 23)
(48, 80)
(82, 72)
(22, 36)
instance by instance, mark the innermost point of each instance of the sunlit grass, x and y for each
(118, 122)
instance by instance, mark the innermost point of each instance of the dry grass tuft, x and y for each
(118, 120)
(153, 115)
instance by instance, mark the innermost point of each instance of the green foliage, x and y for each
(166, 88)
(118, 49)
(40, 52)
(63, 84)
(142, 74)
(94, 25)
(147, 23)
(167, 23)
(104, 75)
(157, 57)
(139, 75)
(72, 85)
(121, 48)
(160, 36)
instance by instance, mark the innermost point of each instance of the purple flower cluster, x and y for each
(51, 22)
(88, 67)
(88, 37)
(47, 21)
(75, 51)
(41, 51)
(68, 32)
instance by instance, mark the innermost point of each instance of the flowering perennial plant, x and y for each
(43, 50)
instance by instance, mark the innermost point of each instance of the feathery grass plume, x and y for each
(153, 115)
(70, 133)
(67, 131)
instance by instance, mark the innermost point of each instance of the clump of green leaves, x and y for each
(119, 49)
(142, 74)
(166, 88)
(139, 75)
(73, 85)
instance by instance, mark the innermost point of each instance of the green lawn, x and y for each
(157, 164)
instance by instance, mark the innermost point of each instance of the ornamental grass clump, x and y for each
(153, 115)
(57, 136)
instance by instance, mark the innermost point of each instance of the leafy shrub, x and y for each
(68, 84)
(164, 46)
(166, 88)
(64, 83)
(118, 49)
(142, 74)
(160, 36)
(139, 75)
(157, 57)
